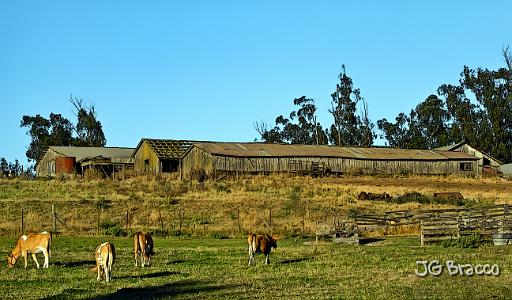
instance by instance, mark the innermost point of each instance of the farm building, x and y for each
(58, 160)
(486, 163)
(219, 158)
(156, 156)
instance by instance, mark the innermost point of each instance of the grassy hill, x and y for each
(229, 208)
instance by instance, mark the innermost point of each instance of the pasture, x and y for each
(190, 268)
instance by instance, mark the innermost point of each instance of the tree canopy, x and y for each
(302, 126)
(478, 110)
(59, 131)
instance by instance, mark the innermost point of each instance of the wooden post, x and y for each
(147, 224)
(180, 215)
(98, 223)
(303, 225)
(238, 217)
(270, 218)
(161, 220)
(22, 222)
(54, 219)
(127, 220)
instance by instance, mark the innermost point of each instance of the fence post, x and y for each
(270, 217)
(22, 222)
(127, 220)
(238, 217)
(180, 215)
(54, 219)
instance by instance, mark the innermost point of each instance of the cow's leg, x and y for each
(35, 259)
(107, 273)
(98, 267)
(46, 259)
(24, 253)
(136, 254)
(250, 256)
(267, 259)
(143, 257)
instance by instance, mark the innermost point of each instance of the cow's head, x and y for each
(273, 241)
(11, 260)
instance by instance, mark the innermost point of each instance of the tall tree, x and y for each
(478, 110)
(39, 132)
(348, 129)
(301, 127)
(88, 129)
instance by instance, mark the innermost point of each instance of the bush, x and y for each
(112, 229)
(163, 233)
(467, 241)
(218, 235)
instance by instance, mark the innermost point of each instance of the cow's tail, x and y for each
(49, 245)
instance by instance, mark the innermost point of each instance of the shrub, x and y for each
(218, 235)
(467, 241)
(163, 233)
(112, 229)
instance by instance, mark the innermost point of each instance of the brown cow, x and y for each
(105, 256)
(261, 244)
(448, 196)
(143, 245)
(32, 243)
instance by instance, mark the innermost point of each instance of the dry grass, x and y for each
(220, 208)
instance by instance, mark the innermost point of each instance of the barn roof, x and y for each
(456, 146)
(166, 148)
(284, 150)
(80, 153)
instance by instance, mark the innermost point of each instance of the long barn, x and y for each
(216, 158)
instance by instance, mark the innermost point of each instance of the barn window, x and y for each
(466, 166)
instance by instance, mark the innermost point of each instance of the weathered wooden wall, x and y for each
(46, 167)
(199, 159)
(143, 153)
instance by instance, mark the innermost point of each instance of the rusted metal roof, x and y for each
(284, 150)
(80, 153)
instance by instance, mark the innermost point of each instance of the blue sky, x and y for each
(208, 70)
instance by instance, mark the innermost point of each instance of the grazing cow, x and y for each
(373, 196)
(143, 245)
(261, 244)
(105, 256)
(448, 196)
(32, 243)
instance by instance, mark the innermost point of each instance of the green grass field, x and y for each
(208, 268)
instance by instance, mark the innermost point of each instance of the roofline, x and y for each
(470, 157)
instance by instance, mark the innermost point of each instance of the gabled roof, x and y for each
(296, 150)
(460, 144)
(451, 147)
(166, 148)
(80, 153)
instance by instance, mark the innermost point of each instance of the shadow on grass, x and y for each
(295, 260)
(367, 241)
(72, 264)
(150, 275)
(178, 261)
(179, 288)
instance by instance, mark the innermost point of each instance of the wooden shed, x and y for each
(156, 156)
(486, 163)
(216, 158)
(59, 160)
